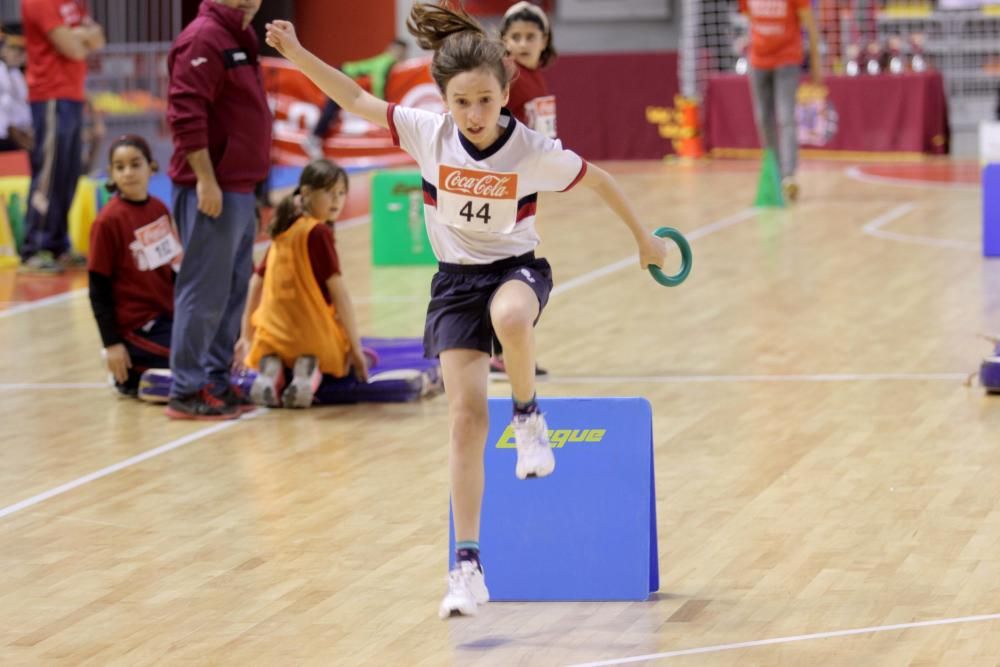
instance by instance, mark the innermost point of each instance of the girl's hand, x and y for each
(240, 353)
(359, 363)
(652, 250)
(281, 36)
(118, 362)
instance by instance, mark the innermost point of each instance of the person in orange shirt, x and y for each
(776, 54)
(298, 313)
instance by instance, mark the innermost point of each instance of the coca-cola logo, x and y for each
(479, 183)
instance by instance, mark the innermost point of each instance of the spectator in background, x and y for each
(15, 111)
(92, 134)
(221, 127)
(376, 69)
(134, 253)
(776, 54)
(526, 33)
(59, 35)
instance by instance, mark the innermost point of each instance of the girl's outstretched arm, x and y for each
(652, 250)
(341, 88)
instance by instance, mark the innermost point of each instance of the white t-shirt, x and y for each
(479, 205)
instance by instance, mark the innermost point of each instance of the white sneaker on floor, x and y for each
(267, 386)
(306, 378)
(534, 452)
(466, 590)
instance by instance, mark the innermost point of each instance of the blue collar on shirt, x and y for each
(501, 141)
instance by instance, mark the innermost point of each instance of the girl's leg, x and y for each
(762, 90)
(465, 372)
(513, 312)
(465, 377)
(786, 85)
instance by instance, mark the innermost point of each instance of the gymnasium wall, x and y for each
(594, 36)
(342, 31)
(601, 102)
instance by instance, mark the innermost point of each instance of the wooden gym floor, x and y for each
(828, 488)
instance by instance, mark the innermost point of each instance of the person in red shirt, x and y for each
(59, 35)
(776, 56)
(134, 254)
(527, 34)
(220, 123)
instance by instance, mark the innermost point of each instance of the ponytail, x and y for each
(459, 42)
(317, 175)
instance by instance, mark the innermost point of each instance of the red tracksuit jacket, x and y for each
(216, 100)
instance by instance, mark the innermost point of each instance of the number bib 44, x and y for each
(482, 201)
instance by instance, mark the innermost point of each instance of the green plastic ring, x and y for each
(682, 243)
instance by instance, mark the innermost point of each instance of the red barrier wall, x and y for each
(602, 98)
(340, 31)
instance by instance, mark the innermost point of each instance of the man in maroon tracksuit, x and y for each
(221, 126)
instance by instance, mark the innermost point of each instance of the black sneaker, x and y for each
(201, 406)
(234, 397)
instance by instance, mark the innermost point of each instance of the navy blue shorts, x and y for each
(458, 316)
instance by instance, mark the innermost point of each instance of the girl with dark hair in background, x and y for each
(134, 256)
(298, 314)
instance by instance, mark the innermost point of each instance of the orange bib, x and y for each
(293, 318)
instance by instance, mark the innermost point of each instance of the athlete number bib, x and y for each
(482, 201)
(541, 113)
(156, 245)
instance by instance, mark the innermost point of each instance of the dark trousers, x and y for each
(211, 288)
(55, 169)
(148, 347)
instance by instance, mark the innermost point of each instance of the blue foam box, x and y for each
(586, 532)
(991, 210)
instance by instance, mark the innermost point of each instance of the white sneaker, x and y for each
(306, 378)
(466, 590)
(270, 381)
(534, 452)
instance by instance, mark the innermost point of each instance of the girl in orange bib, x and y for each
(299, 314)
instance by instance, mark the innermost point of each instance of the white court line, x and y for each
(121, 465)
(857, 174)
(874, 228)
(821, 377)
(788, 640)
(616, 379)
(631, 260)
(42, 303)
(350, 223)
(31, 386)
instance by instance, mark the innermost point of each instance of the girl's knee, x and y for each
(511, 319)
(468, 420)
